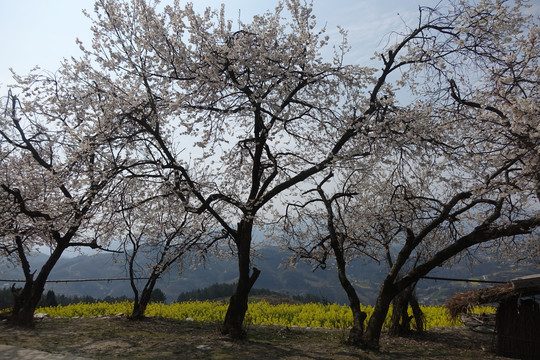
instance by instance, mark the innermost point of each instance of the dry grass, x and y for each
(463, 302)
(118, 338)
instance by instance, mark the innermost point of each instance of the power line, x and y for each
(464, 280)
(146, 278)
(80, 280)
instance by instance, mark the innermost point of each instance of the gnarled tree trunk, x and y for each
(25, 303)
(401, 320)
(357, 330)
(417, 313)
(140, 304)
(238, 304)
(373, 330)
(27, 299)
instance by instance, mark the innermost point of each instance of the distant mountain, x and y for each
(300, 280)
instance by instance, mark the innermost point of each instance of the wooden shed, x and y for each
(518, 314)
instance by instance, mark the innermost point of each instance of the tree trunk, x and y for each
(140, 305)
(376, 321)
(357, 330)
(238, 305)
(400, 321)
(25, 303)
(417, 313)
(27, 299)
(139, 308)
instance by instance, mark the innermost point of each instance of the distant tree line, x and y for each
(51, 299)
(225, 290)
(212, 292)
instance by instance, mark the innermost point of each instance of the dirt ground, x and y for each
(119, 338)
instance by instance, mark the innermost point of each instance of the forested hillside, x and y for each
(301, 280)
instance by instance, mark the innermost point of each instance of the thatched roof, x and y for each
(463, 302)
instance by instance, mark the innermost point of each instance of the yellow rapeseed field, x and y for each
(310, 315)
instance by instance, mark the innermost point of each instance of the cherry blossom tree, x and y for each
(57, 171)
(482, 90)
(319, 228)
(157, 233)
(460, 168)
(233, 118)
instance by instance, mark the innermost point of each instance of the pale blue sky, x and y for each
(43, 32)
